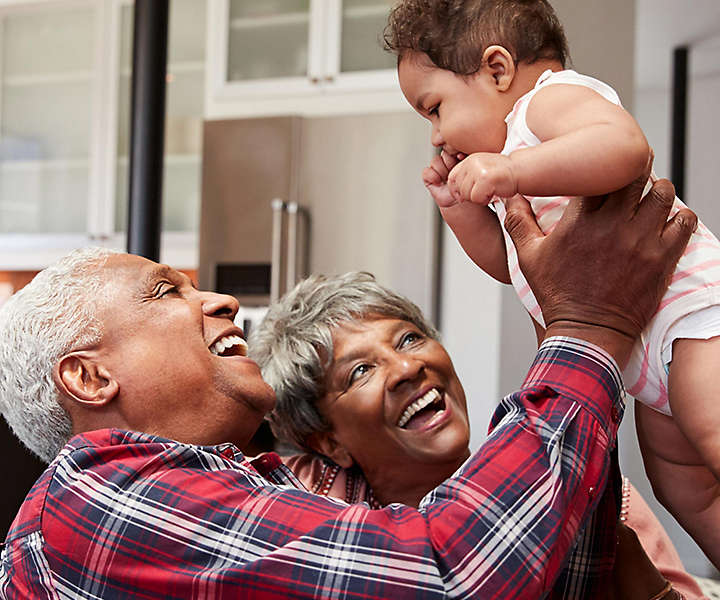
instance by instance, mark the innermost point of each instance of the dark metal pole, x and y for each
(679, 119)
(147, 127)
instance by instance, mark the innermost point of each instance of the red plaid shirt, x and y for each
(123, 514)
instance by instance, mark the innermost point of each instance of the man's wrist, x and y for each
(613, 341)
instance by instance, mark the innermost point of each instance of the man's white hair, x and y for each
(51, 316)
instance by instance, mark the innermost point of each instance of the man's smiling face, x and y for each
(177, 356)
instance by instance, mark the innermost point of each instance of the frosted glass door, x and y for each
(363, 22)
(45, 120)
(183, 120)
(268, 39)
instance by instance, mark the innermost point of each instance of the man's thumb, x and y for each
(520, 221)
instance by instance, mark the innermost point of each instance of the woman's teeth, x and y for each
(221, 347)
(425, 400)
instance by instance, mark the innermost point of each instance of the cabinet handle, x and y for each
(329, 78)
(315, 80)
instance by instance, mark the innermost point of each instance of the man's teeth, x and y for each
(425, 400)
(228, 342)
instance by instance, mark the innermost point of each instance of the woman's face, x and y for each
(395, 404)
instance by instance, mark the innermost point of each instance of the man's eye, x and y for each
(357, 372)
(165, 289)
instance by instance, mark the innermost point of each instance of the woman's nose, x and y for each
(219, 305)
(402, 368)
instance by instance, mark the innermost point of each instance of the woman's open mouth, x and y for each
(422, 411)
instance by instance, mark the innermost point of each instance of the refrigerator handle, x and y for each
(278, 208)
(292, 241)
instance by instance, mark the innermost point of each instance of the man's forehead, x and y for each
(134, 271)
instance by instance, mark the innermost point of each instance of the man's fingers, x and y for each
(520, 221)
(678, 230)
(634, 190)
(657, 203)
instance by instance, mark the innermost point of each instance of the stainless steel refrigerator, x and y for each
(286, 196)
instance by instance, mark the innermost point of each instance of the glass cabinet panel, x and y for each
(268, 39)
(363, 22)
(46, 95)
(183, 119)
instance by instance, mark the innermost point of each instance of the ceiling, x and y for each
(662, 25)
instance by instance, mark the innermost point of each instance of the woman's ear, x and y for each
(80, 377)
(499, 63)
(325, 443)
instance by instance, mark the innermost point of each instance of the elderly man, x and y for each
(148, 379)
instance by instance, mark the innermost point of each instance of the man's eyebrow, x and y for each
(153, 275)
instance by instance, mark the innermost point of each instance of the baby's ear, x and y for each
(325, 443)
(500, 65)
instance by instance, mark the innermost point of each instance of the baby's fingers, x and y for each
(431, 177)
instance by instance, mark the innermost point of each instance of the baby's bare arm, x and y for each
(476, 227)
(590, 146)
(680, 479)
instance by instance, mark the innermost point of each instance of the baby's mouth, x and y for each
(422, 411)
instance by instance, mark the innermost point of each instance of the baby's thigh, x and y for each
(694, 392)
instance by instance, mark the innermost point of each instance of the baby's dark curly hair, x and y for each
(455, 33)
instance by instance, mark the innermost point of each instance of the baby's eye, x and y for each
(433, 111)
(358, 372)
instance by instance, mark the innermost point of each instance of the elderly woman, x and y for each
(367, 390)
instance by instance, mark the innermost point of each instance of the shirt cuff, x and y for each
(584, 372)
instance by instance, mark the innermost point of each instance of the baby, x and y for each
(509, 118)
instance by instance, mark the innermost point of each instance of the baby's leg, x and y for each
(680, 480)
(694, 391)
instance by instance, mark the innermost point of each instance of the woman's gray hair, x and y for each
(293, 344)
(52, 315)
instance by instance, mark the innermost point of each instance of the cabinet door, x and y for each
(183, 119)
(47, 106)
(361, 28)
(268, 40)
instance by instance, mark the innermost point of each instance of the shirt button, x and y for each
(591, 492)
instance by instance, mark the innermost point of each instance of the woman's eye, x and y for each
(409, 338)
(358, 372)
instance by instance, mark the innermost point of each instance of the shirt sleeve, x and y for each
(182, 522)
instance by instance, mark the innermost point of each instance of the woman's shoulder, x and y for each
(323, 477)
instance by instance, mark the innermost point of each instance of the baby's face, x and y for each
(467, 113)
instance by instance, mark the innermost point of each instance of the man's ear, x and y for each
(82, 378)
(325, 443)
(499, 63)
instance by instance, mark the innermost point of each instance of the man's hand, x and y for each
(435, 178)
(482, 176)
(602, 271)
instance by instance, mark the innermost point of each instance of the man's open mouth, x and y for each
(229, 345)
(422, 410)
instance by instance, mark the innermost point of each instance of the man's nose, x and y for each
(402, 368)
(219, 305)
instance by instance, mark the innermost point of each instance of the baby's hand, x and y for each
(480, 177)
(435, 178)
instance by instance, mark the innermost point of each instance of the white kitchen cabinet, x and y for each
(308, 57)
(64, 128)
